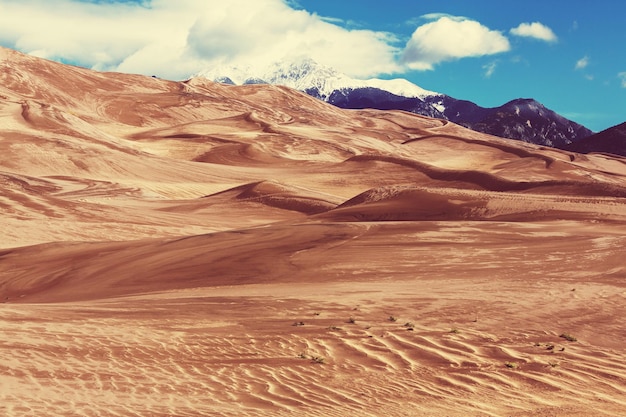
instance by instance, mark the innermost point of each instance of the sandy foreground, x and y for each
(193, 249)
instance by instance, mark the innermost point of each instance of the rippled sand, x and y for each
(193, 249)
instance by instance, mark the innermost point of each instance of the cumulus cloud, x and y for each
(535, 30)
(176, 39)
(582, 63)
(622, 77)
(267, 30)
(449, 38)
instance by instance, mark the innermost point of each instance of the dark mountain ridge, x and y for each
(522, 119)
(611, 140)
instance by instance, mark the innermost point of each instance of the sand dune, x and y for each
(195, 249)
(410, 203)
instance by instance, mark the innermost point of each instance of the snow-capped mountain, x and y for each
(305, 74)
(520, 119)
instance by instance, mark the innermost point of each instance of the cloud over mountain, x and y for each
(267, 30)
(176, 39)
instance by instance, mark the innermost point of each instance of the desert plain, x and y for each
(197, 249)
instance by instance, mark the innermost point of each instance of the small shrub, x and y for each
(510, 365)
(455, 331)
(568, 337)
(317, 359)
(352, 320)
(392, 318)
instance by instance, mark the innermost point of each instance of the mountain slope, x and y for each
(524, 119)
(611, 140)
(521, 119)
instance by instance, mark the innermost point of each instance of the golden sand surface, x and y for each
(197, 249)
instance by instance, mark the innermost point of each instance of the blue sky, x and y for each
(566, 54)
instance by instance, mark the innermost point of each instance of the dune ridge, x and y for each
(196, 249)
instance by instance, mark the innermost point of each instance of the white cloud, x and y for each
(535, 30)
(266, 30)
(490, 68)
(451, 38)
(582, 63)
(437, 16)
(174, 39)
(622, 77)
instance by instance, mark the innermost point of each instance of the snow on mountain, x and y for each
(305, 74)
(400, 87)
(233, 74)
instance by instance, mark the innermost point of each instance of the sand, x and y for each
(196, 249)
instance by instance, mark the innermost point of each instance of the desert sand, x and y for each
(197, 249)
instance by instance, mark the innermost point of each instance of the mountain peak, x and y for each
(305, 74)
(525, 102)
(525, 105)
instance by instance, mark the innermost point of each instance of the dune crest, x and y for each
(197, 249)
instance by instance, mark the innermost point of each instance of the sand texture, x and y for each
(196, 249)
